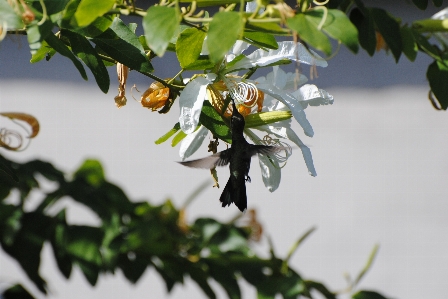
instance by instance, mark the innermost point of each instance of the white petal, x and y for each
(251, 6)
(442, 15)
(286, 50)
(292, 103)
(192, 142)
(190, 102)
(285, 131)
(309, 94)
(271, 173)
(204, 50)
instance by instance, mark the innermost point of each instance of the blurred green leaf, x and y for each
(62, 49)
(437, 3)
(261, 39)
(366, 29)
(84, 50)
(120, 43)
(189, 46)
(305, 26)
(368, 295)
(225, 28)
(200, 277)
(6, 169)
(422, 4)
(213, 121)
(89, 10)
(91, 171)
(222, 272)
(410, 47)
(337, 26)
(202, 3)
(16, 292)
(389, 29)
(321, 288)
(160, 25)
(437, 75)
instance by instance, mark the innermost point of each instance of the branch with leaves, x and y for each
(133, 236)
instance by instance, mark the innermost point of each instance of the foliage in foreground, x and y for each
(133, 236)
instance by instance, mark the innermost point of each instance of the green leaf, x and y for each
(202, 63)
(37, 34)
(202, 3)
(422, 4)
(368, 295)
(410, 47)
(271, 28)
(89, 10)
(321, 288)
(92, 172)
(96, 27)
(51, 6)
(389, 29)
(8, 17)
(261, 39)
(219, 271)
(120, 43)
(62, 49)
(338, 26)
(84, 50)
(16, 292)
(189, 46)
(213, 121)
(437, 75)
(40, 54)
(437, 3)
(160, 25)
(225, 28)
(170, 133)
(8, 170)
(366, 29)
(200, 277)
(305, 25)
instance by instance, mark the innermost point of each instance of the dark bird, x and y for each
(238, 155)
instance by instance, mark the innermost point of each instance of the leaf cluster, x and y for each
(91, 32)
(132, 236)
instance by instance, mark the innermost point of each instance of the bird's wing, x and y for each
(218, 159)
(265, 149)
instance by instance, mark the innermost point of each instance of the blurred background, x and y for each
(379, 151)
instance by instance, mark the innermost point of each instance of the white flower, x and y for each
(306, 95)
(280, 94)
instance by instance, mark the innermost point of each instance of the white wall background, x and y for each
(382, 170)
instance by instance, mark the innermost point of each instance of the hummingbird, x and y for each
(238, 156)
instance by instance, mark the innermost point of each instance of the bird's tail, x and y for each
(234, 195)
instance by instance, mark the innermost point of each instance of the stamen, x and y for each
(244, 93)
